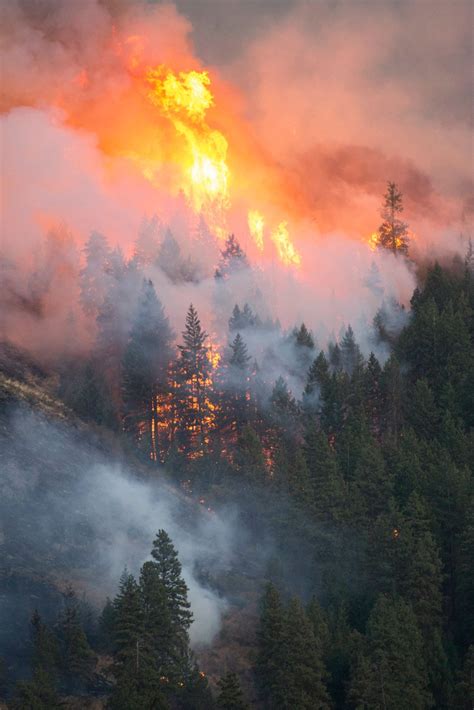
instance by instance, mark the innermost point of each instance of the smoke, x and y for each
(320, 104)
(84, 518)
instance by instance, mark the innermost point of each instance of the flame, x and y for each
(284, 245)
(185, 99)
(373, 241)
(256, 224)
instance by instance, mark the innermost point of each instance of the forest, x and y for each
(357, 468)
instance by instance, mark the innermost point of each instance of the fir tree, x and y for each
(37, 694)
(175, 595)
(93, 276)
(326, 481)
(305, 671)
(77, 658)
(352, 360)
(230, 693)
(145, 368)
(393, 234)
(45, 647)
(193, 381)
(128, 625)
(272, 650)
(146, 247)
(390, 672)
(169, 257)
(233, 258)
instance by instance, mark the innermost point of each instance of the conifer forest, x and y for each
(236, 356)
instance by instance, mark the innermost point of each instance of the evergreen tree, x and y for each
(236, 400)
(393, 234)
(305, 671)
(93, 276)
(146, 247)
(233, 258)
(169, 257)
(193, 383)
(145, 368)
(352, 360)
(173, 604)
(230, 693)
(272, 650)
(249, 456)
(106, 636)
(45, 647)
(372, 394)
(390, 671)
(128, 625)
(326, 482)
(422, 413)
(77, 658)
(392, 397)
(37, 694)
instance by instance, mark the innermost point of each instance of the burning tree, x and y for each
(144, 368)
(393, 233)
(194, 408)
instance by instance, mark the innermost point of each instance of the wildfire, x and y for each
(185, 99)
(284, 246)
(256, 224)
(373, 241)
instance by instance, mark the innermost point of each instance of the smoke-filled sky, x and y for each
(320, 103)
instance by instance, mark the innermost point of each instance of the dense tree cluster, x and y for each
(366, 478)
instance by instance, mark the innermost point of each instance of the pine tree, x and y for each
(233, 258)
(45, 647)
(106, 635)
(37, 694)
(305, 670)
(93, 276)
(176, 608)
(393, 234)
(235, 410)
(169, 257)
(249, 457)
(422, 413)
(326, 481)
(146, 247)
(128, 623)
(230, 693)
(193, 376)
(352, 360)
(390, 671)
(372, 394)
(272, 650)
(145, 368)
(77, 658)
(240, 357)
(319, 622)
(392, 398)
(284, 408)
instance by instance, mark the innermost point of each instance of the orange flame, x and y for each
(284, 246)
(185, 99)
(373, 241)
(256, 224)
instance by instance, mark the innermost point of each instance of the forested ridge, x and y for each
(363, 484)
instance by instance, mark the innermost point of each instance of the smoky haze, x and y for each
(73, 509)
